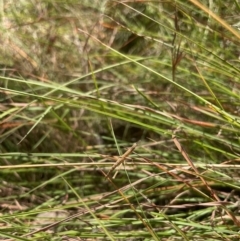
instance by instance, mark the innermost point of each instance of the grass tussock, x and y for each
(82, 82)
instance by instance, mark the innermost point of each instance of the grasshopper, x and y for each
(121, 159)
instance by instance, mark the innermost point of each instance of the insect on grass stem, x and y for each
(121, 159)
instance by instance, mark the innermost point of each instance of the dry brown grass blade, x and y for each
(190, 163)
(22, 53)
(216, 17)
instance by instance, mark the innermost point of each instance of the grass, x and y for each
(81, 83)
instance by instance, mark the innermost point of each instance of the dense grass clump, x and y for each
(120, 120)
